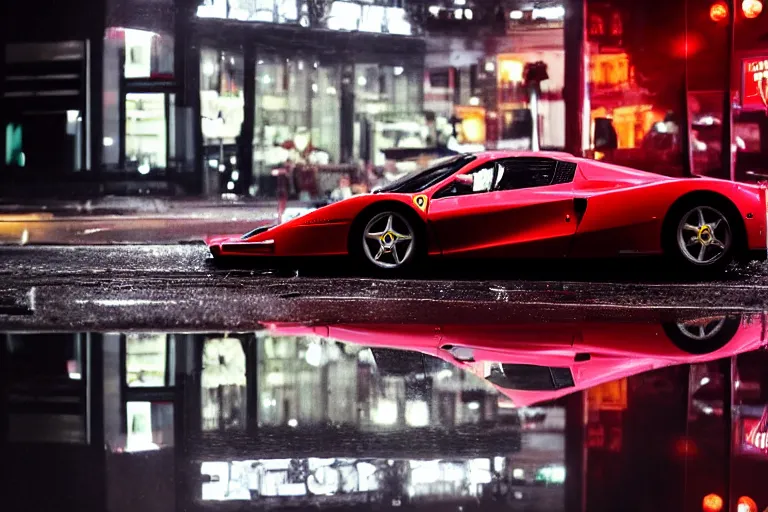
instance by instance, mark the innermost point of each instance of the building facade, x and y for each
(187, 98)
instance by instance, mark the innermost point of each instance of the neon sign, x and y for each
(755, 83)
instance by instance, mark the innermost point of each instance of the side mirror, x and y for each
(605, 135)
(464, 179)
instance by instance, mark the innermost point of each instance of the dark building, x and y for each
(185, 97)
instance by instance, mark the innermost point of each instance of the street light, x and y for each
(751, 8)
(718, 12)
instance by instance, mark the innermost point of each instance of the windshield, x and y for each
(418, 181)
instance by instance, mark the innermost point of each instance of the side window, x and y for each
(482, 181)
(530, 172)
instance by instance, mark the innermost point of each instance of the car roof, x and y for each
(493, 155)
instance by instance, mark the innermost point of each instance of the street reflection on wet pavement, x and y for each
(628, 412)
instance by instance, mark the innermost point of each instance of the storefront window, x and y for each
(222, 104)
(150, 426)
(147, 54)
(388, 109)
(45, 129)
(223, 384)
(297, 118)
(146, 358)
(146, 126)
(137, 55)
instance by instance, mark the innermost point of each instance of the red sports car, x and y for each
(532, 363)
(523, 205)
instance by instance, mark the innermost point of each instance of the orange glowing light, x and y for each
(712, 503)
(719, 11)
(751, 8)
(746, 504)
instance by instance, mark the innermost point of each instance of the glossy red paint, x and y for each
(625, 210)
(616, 350)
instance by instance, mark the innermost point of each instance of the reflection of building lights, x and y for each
(417, 413)
(300, 64)
(516, 15)
(222, 167)
(490, 67)
(75, 375)
(230, 185)
(235, 175)
(361, 81)
(518, 495)
(144, 168)
(458, 14)
(314, 354)
(518, 473)
(746, 504)
(751, 8)
(213, 163)
(468, 14)
(549, 13)
(293, 423)
(266, 79)
(712, 503)
(704, 381)
(459, 2)
(512, 70)
(473, 406)
(434, 10)
(108, 141)
(385, 412)
(474, 101)
(707, 409)
(330, 91)
(398, 70)
(232, 60)
(314, 88)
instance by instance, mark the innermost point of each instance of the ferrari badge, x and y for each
(421, 202)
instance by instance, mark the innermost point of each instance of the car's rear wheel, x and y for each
(701, 236)
(704, 335)
(387, 241)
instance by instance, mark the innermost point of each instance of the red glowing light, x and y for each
(751, 8)
(712, 503)
(719, 11)
(746, 504)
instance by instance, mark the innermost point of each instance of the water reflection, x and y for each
(452, 415)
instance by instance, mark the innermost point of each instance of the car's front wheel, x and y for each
(387, 241)
(700, 236)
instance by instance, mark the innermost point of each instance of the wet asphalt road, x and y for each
(180, 288)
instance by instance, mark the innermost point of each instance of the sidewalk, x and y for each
(112, 220)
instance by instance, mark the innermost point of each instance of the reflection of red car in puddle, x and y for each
(532, 363)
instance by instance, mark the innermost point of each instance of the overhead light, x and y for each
(434, 10)
(490, 67)
(474, 101)
(516, 15)
(144, 168)
(468, 14)
(458, 13)
(361, 81)
(208, 68)
(293, 423)
(460, 2)
(108, 141)
(704, 381)
(751, 8)
(230, 185)
(398, 70)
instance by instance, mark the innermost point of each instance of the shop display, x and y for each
(467, 205)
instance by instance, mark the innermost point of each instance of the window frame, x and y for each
(442, 191)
